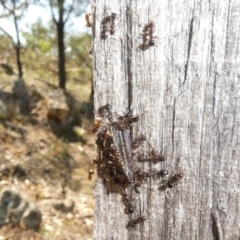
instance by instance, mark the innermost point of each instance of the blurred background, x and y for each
(46, 112)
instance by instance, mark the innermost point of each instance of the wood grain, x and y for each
(188, 89)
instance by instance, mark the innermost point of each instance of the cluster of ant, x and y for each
(109, 24)
(115, 161)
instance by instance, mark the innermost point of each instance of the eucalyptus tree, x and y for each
(15, 9)
(61, 11)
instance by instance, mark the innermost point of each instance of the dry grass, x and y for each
(50, 169)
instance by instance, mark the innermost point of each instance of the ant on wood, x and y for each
(90, 174)
(96, 125)
(126, 121)
(172, 181)
(88, 19)
(129, 208)
(113, 18)
(132, 223)
(148, 38)
(109, 23)
(138, 141)
(157, 156)
(149, 30)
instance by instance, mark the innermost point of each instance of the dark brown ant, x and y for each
(100, 170)
(100, 143)
(129, 208)
(126, 121)
(122, 181)
(113, 17)
(96, 125)
(101, 132)
(88, 19)
(132, 223)
(140, 176)
(138, 141)
(157, 157)
(153, 173)
(106, 112)
(130, 119)
(135, 186)
(148, 32)
(115, 170)
(174, 179)
(112, 151)
(112, 171)
(90, 174)
(163, 172)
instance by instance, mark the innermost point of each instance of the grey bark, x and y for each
(188, 87)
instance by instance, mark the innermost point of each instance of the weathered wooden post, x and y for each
(188, 87)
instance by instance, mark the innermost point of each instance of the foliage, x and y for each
(40, 38)
(6, 46)
(40, 50)
(61, 11)
(67, 7)
(16, 10)
(79, 58)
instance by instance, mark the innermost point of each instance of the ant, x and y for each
(154, 173)
(108, 23)
(88, 19)
(157, 156)
(100, 170)
(163, 172)
(129, 208)
(90, 174)
(138, 141)
(148, 38)
(150, 31)
(115, 169)
(172, 181)
(106, 112)
(96, 125)
(132, 223)
(126, 121)
(125, 182)
(142, 175)
(113, 17)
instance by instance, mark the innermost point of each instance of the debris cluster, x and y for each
(116, 161)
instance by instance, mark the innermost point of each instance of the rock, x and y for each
(18, 211)
(31, 218)
(7, 69)
(58, 109)
(20, 93)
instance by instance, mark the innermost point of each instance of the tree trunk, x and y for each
(18, 46)
(61, 54)
(187, 89)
